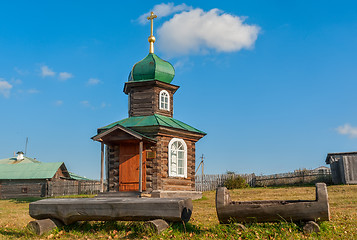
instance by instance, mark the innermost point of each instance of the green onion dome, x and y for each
(152, 68)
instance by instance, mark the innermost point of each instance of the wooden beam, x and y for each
(141, 166)
(101, 167)
(112, 209)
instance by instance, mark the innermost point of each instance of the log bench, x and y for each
(276, 210)
(67, 210)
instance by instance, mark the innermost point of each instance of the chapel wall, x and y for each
(161, 179)
(113, 168)
(144, 101)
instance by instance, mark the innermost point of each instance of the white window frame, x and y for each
(185, 158)
(162, 92)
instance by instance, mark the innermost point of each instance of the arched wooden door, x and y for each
(129, 167)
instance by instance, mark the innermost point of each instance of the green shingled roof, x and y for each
(14, 160)
(29, 170)
(153, 120)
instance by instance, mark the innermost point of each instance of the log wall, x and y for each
(113, 168)
(22, 188)
(156, 169)
(161, 180)
(144, 101)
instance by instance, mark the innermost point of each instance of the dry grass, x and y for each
(204, 223)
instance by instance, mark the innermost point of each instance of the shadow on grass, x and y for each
(125, 229)
(25, 199)
(11, 233)
(129, 229)
(185, 228)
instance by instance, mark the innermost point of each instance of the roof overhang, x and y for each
(169, 131)
(331, 155)
(121, 133)
(169, 86)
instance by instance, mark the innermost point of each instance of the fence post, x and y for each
(79, 187)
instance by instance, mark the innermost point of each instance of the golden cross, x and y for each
(151, 37)
(151, 18)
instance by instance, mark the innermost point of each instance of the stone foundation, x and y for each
(176, 194)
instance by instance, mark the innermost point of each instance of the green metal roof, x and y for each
(152, 68)
(153, 120)
(29, 170)
(77, 177)
(14, 160)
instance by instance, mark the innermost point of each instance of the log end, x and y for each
(186, 214)
(159, 225)
(322, 199)
(311, 227)
(222, 197)
(40, 227)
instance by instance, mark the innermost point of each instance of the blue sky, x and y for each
(272, 83)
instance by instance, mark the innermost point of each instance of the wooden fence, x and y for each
(210, 182)
(62, 188)
(293, 178)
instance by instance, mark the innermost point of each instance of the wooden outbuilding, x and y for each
(343, 167)
(22, 176)
(26, 177)
(150, 151)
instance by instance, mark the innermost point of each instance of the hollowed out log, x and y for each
(275, 210)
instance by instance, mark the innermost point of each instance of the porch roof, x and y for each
(133, 134)
(153, 120)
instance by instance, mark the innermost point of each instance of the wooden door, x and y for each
(129, 167)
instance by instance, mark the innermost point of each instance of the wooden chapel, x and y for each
(150, 151)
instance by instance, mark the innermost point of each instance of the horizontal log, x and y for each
(179, 182)
(112, 209)
(40, 227)
(178, 188)
(270, 211)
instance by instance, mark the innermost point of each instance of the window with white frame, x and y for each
(164, 100)
(177, 158)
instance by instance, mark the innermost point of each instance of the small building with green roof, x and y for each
(23, 176)
(150, 151)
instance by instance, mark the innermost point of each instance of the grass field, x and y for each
(204, 223)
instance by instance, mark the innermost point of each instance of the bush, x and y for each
(234, 182)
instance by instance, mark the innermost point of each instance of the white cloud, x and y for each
(20, 71)
(65, 75)
(93, 81)
(46, 71)
(163, 10)
(347, 129)
(16, 81)
(5, 88)
(58, 102)
(33, 91)
(197, 31)
(85, 103)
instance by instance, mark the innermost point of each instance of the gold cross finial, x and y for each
(151, 37)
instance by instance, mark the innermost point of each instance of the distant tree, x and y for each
(235, 182)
